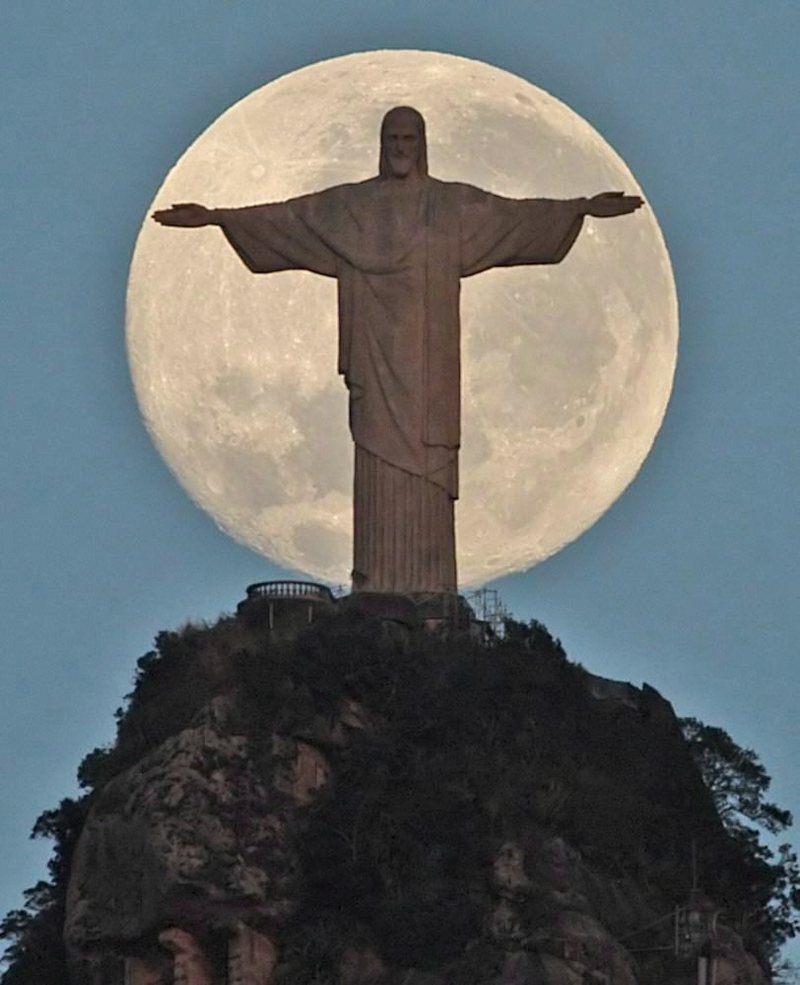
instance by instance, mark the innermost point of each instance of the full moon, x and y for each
(566, 369)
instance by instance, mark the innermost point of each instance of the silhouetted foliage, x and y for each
(35, 951)
(735, 777)
(531, 635)
(738, 783)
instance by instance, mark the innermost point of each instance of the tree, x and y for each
(735, 778)
(738, 783)
(34, 932)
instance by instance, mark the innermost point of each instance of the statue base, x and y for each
(436, 611)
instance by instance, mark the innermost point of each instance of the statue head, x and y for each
(404, 149)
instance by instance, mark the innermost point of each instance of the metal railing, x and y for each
(308, 590)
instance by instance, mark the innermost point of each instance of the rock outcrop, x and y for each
(195, 831)
(354, 810)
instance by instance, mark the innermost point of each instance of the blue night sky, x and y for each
(688, 582)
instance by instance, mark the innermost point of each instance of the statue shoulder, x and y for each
(459, 192)
(339, 193)
(333, 203)
(354, 190)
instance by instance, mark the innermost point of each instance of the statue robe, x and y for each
(398, 251)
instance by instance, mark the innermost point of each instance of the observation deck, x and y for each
(285, 607)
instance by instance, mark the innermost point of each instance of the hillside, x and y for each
(377, 805)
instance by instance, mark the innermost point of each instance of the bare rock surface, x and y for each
(195, 831)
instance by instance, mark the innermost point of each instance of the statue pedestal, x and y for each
(436, 611)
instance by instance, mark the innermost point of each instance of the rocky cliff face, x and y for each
(196, 831)
(354, 809)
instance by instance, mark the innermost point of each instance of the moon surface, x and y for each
(567, 369)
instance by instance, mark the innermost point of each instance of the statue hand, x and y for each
(186, 214)
(608, 204)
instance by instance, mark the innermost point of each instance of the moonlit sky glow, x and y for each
(689, 582)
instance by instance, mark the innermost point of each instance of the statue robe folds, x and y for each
(398, 251)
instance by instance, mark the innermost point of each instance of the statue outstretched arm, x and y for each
(267, 238)
(503, 232)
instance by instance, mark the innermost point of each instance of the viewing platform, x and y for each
(285, 607)
(290, 590)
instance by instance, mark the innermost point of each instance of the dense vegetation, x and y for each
(472, 746)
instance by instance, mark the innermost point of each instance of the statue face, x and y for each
(401, 145)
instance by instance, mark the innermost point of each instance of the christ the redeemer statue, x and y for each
(398, 246)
